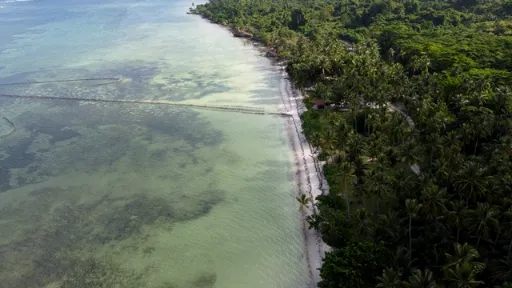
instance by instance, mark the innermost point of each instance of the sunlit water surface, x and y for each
(125, 195)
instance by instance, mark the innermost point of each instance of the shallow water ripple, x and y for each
(121, 195)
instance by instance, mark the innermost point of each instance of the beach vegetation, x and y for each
(416, 135)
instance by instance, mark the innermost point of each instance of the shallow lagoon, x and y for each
(123, 195)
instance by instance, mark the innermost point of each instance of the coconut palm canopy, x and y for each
(419, 166)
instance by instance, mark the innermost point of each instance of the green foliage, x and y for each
(331, 223)
(355, 265)
(458, 36)
(420, 194)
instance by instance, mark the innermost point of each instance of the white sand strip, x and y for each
(309, 176)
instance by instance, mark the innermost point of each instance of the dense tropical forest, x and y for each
(416, 134)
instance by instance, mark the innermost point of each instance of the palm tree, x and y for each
(501, 102)
(356, 146)
(434, 200)
(398, 126)
(503, 271)
(463, 254)
(501, 105)
(325, 65)
(401, 259)
(304, 202)
(482, 220)
(450, 159)
(470, 181)
(451, 140)
(390, 279)
(379, 185)
(411, 208)
(373, 122)
(317, 138)
(466, 132)
(390, 228)
(482, 124)
(360, 192)
(410, 152)
(447, 163)
(390, 156)
(375, 146)
(432, 145)
(354, 101)
(456, 215)
(347, 175)
(421, 279)
(339, 143)
(329, 139)
(360, 167)
(501, 218)
(419, 64)
(362, 223)
(508, 224)
(402, 182)
(462, 276)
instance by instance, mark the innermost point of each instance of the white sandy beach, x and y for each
(309, 175)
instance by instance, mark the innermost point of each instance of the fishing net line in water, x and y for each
(11, 127)
(108, 80)
(112, 80)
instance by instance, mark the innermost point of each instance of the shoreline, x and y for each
(307, 169)
(308, 174)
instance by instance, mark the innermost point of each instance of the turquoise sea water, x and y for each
(125, 195)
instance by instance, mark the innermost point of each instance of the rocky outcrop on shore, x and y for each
(242, 33)
(272, 53)
(192, 11)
